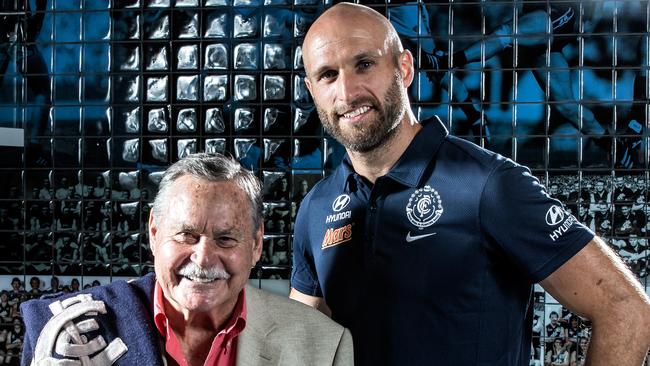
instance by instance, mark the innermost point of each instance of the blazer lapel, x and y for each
(253, 345)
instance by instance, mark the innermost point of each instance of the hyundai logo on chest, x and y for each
(338, 205)
(340, 202)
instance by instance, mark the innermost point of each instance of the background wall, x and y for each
(108, 94)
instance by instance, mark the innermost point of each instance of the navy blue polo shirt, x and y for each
(435, 262)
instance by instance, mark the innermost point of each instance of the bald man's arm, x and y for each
(313, 301)
(595, 283)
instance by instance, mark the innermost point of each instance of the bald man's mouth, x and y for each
(356, 114)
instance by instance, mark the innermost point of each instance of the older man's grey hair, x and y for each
(214, 168)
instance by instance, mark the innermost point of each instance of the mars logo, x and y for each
(340, 202)
(424, 207)
(554, 215)
(68, 335)
(337, 236)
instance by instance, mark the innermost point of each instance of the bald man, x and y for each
(427, 246)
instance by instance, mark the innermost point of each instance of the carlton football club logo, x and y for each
(68, 333)
(424, 207)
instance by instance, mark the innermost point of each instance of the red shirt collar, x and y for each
(223, 347)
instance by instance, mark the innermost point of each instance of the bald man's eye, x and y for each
(328, 75)
(365, 65)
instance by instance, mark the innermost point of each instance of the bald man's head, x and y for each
(338, 20)
(358, 74)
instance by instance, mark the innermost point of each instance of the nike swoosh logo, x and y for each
(413, 238)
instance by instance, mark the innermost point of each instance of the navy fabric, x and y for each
(129, 316)
(482, 230)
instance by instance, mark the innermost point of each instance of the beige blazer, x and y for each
(281, 331)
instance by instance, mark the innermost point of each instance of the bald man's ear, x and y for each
(308, 83)
(406, 67)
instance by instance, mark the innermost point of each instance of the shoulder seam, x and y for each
(459, 144)
(480, 203)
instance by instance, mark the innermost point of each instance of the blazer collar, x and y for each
(254, 344)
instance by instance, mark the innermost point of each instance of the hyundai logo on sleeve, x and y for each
(554, 215)
(340, 202)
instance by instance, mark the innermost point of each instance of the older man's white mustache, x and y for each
(192, 271)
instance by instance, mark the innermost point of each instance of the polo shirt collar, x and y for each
(410, 167)
(345, 174)
(232, 328)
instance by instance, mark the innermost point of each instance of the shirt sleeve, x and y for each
(532, 228)
(303, 275)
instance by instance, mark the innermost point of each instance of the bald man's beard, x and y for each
(368, 135)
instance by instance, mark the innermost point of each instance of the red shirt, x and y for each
(223, 351)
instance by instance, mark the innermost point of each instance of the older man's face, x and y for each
(204, 245)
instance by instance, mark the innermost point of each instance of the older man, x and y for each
(205, 234)
(427, 246)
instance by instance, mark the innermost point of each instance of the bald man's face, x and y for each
(358, 88)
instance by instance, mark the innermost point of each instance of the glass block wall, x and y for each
(106, 94)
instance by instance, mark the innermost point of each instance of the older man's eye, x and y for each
(186, 238)
(227, 241)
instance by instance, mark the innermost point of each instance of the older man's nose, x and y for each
(203, 252)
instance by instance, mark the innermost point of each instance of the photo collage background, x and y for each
(109, 93)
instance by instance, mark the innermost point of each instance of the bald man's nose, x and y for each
(348, 86)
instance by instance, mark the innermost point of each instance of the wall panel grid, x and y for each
(110, 93)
